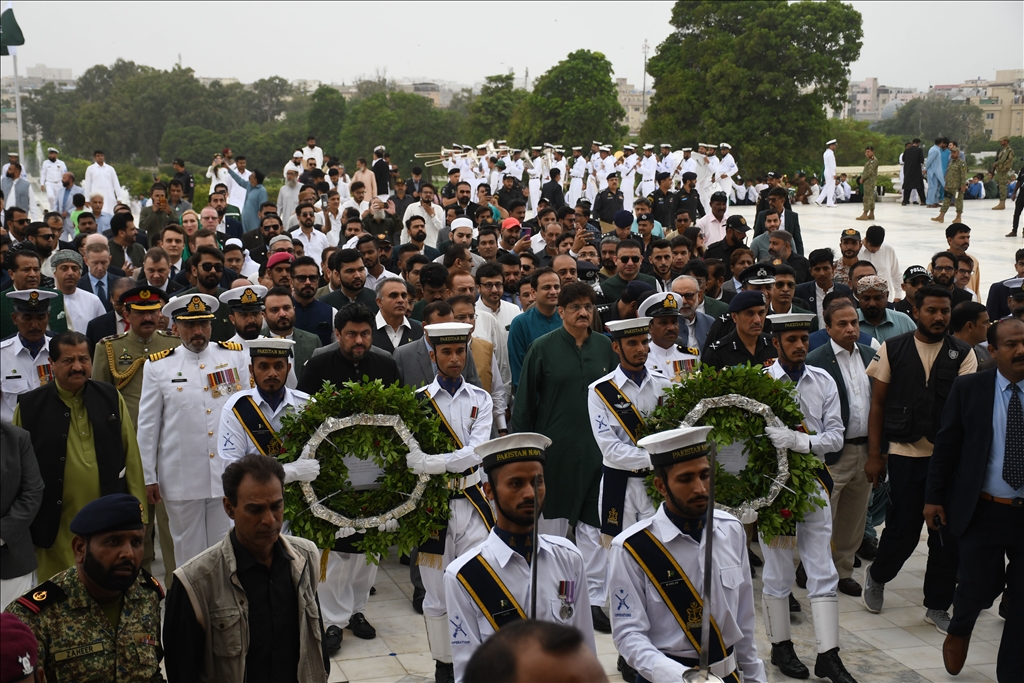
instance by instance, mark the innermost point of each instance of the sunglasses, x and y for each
(212, 266)
(630, 259)
(305, 278)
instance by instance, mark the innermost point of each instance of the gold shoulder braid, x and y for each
(121, 379)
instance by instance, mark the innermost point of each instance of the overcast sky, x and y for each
(341, 42)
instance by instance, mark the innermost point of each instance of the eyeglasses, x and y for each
(964, 271)
(492, 285)
(785, 285)
(21, 221)
(305, 278)
(689, 295)
(45, 237)
(943, 269)
(631, 259)
(576, 308)
(212, 266)
(306, 214)
(467, 316)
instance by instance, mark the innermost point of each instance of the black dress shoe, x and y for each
(360, 627)
(755, 561)
(444, 673)
(828, 665)
(332, 639)
(784, 657)
(801, 576)
(856, 562)
(404, 560)
(629, 674)
(601, 622)
(373, 590)
(794, 604)
(868, 549)
(850, 587)
(417, 599)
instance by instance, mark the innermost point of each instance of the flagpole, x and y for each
(17, 109)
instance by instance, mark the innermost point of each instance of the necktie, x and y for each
(101, 291)
(1013, 456)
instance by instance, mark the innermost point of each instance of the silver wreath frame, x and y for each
(747, 511)
(333, 424)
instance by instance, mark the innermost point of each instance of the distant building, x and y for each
(867, 100)
(432, 91)
(33, 78)
(635, 102)
(1001, 100)
(47, 74)
(207, 81)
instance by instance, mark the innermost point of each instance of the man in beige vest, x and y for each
(246, 609)
(484, 356)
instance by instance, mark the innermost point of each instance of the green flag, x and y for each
(10, 32)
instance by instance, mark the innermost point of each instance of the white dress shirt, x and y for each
(372, 280)
(557, 560)
(234, 441)
(82, 306)
(643, 627)
(394, 335)
(858, 389)
(102, 180)
(434, 224)
(888, 266)
(313, 244)
(314, 153)
(21, 372)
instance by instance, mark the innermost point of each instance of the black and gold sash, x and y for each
(433, 548)
(257, 426)
(613, 485)
(676, 591)
(493, 598)
(446, 426)
(825, 479)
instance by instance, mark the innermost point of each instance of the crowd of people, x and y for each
(540, 304)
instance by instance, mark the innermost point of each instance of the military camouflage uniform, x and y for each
(869, 178)
(1001, 170)
(956, 178)
(77, 641)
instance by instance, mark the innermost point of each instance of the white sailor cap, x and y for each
(703, 144)
(676, 445)
(605, 148)
(711, 145)
(538, 147)
(597, 142)
(378, 148)
(687, 149)
(31, 300)
(448, 333)
(1015, 285)
(519, 447)
(270, 347)
(830, 142)
(725, 145)
(248, 298)
(13, 153)
(482, 146)
(665, 144)
(549, 145)
(52, 149)
(501, 142)
(648, 146)
(296, 154)
(629, 147)
(577, 148)
(630, 327)
(791, 322)
(191, 307)
(559, 150)
(661, 304)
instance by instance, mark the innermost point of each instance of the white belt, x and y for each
(465, 482)
(724, 667)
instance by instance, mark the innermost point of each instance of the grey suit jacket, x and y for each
(21, 197)
(306, 344)
(416, 371)
(21, 494)
(704, 323)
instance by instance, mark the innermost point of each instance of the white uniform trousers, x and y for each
(595, 562)
(346, 588)
(636, 507)
(12, 589)
(729, 188)
(647, 187)
(814, 539)
(591, 189)
(466, 530)
(196, 525)
(575, 191)
(534, 193)
(52, 190)
(828, 191)
(628, 187)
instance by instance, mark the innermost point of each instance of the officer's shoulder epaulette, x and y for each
(113, 337)
(161, 354)
(42, 596)
(7, 342)
(165, 333)
(688, 349)
(231, 346)
(149, 581)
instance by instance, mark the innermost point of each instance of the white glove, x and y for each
(783, 437)
(424, 463)
(388, 526)
(306, 470)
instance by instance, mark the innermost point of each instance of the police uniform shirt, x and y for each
(559, 562)
(21, 372)
(730, 350)
(233, 441)
(819, 401)
(643, 628)
(469, 414)
(607, 204)
(617, 448)
(672, 361)
(183, 394)
(663, 207)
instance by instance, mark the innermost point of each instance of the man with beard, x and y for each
(913, 375)
(101, 615)
(313, 241)
(24, 356)
(877, 319)
(416, 230)
(279, 316)
(629, 256)
(556, 370)
(944, 275)
(344, 594)
(369, 248)
(822, 433)
(279, 264)
(780, 251)
(183, 391)
(207, 265)
(667, 353)
(125, 251)
(646, 628)
(474, 583)
(311, 314)
(83, 437)
(348, 263)
(392, 327)
(227, 225)
(745, 343)
(246, 306)
(698, 324)
(81, 306)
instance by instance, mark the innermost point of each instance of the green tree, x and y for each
(757, 74)
(932, 117)
(326, 116)
(573, 102)
(490, 113)
(853, 136)
(270, 96)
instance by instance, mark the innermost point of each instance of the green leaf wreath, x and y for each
(380, 444)
(737, 425)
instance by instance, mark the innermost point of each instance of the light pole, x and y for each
(646, 48)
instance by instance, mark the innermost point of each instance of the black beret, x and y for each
(116, 512)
